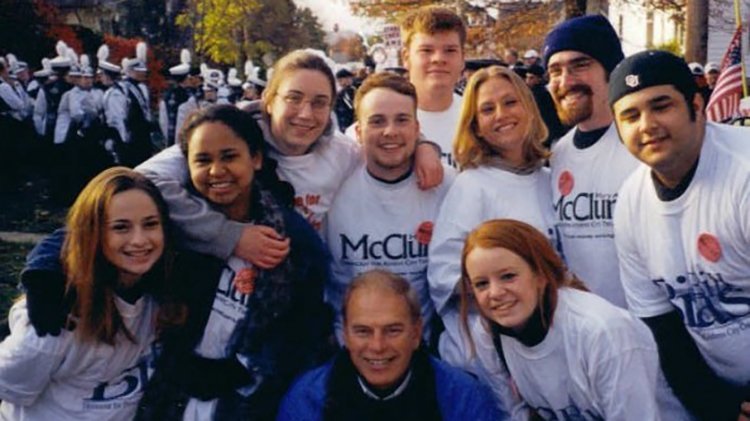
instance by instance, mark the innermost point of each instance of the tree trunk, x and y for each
(574, 8)
(696, 31)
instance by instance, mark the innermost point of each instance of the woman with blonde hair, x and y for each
(498, 148)
(116, 276)
(570, 353)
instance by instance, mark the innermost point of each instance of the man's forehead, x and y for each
(382, 100)
(447, 38)
(645, 96)
(566, 56)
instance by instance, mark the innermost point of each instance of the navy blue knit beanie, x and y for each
(651, 68)
(592, 35)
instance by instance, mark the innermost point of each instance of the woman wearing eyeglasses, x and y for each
(295, 116)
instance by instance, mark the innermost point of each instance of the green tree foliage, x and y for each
(231, 31)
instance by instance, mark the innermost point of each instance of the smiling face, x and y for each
(501, 119)
(133, 235)
(388, 129)
(300, 110)
(655, 125)
(578, 84)
(504, 286)
(434, 61)
(381, 335)
(222, 168)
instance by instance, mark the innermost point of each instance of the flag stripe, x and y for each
(725, 99)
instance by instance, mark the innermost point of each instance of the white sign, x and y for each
(392, 35)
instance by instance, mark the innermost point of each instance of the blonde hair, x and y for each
(431, 20)
(469, 150)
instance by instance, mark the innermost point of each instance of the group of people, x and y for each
(269, 266)
(100, 116)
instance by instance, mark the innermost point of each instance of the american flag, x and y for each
(725, 99)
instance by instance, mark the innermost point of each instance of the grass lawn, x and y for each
(12, 257)
(28, 208)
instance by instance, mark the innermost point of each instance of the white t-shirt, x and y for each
(597, 362)
(584, 187)
(478, 195)
(377, 225)
(440, 127)
(228, 309)
(62, 378)
(693, 253)
(318, 175)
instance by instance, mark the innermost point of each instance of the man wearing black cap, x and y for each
(589, 163)
(682, 229)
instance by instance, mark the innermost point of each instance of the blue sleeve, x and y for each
(304, 400)
(46, 254)
(462, 397)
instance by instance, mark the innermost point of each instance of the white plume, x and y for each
(103, 53)
(185, 56)
(85, 62)
(62, 48)
(141, 51)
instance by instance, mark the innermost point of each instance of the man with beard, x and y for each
(589, 163)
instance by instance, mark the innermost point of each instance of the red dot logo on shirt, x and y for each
(565, 183)
(709, 247)
(424, 233)
(244, 281)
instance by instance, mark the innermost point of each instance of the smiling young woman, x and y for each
(569, 352)
(498, 147)
(115, 271)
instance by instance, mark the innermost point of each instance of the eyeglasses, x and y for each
(297, 100)
(576, 67)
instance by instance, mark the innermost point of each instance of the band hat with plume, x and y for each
(103, 55)
(46, 70)
(61, 61)
(138, 64)
(75, 69)
(232, 79)
(86, 69)
(183, 68)
(251, 74)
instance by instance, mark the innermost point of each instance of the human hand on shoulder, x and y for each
(427, 165)
(262, 246)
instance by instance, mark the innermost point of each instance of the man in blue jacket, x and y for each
(383, 374)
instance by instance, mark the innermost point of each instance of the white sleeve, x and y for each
(40, 112)
(354, 155)
(183, 111)
(115, 113)
(644, 298)
(163, 119)
(11, 98)
(623, 369)
(202, 228)
(63, 119)
(461, 212)
(76, 105)
(27, 361)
